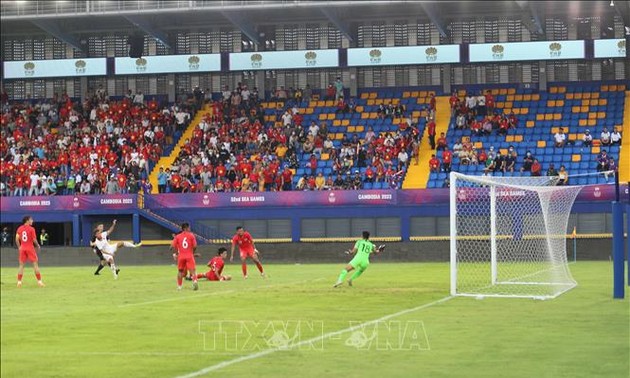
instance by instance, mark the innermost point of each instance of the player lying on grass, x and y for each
(216, 267)
(26, 242)
(109, 250)
(362, 250)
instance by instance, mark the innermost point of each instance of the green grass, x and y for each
(86, 326)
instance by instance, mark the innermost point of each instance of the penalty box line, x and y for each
(180, 298)
(267, 352)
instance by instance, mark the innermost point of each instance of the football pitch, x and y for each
(396, 321)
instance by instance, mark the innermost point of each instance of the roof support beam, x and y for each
(333, 17)
(51, 27)
(532, 19)
(141, 23)
(243, 24)
(432, 12)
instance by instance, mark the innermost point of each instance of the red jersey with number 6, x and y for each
(185, 243)
(27, 236)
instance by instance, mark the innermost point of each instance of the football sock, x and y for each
(179, 281)
(357, 274)
(260, 268)
(128, 244)
(99, 268)
(244, 268)
(342, 276)
(113, 268)
(200, 275)
(38, 275)
(20, 277)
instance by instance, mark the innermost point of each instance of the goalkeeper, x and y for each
(361, 251)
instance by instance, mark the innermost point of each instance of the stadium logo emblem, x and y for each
(597, 193)
(431, 54)
(554, 50)
(75, 202)
(375, 56)
(256, 60)
(193, 63)
(311, 58)
(332, 198)
(29, 69)
(80, 66)
(141, 64)
(497, 52)
(622, 47)
(206, 200)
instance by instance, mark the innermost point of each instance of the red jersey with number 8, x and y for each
(27, 236)
(185, 243)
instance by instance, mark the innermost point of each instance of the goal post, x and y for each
(508, 236)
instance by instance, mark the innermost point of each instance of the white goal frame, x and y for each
(553, 253)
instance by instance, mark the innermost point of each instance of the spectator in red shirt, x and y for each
(434, 164)
(441, 142)
(536, 168)
(447, 159)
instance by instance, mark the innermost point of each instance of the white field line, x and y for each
(180, 298)
(266, 352)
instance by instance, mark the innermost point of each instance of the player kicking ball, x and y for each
(361, 260)
(26, 241)
(247, 249)
(184, 246)
(216, 267)
(109, 250)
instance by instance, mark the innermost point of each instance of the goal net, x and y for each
(508, 236)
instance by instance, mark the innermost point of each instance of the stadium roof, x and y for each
(70, 19)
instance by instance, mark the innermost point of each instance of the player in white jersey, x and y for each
(109, 250)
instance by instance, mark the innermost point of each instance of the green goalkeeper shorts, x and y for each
(360, 262)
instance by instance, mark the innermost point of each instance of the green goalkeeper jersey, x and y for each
(364, 248)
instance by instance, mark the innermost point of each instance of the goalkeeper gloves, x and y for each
(381, 248)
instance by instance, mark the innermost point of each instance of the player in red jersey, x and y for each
(216, 267)
(26, 241)
(185, 244)
(247, 249)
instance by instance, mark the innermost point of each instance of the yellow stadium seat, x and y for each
(516, 111)
(478, 145)
(378, 101)
(351, 129)
(527, 97)
(602, 102)
(373, 115)
(577, 96)
(518, 138)
(555, 129)
(339, 136)
(373, 95)
(591, 122)
(575, 109)
(502, 91)
(325, 156)
(553, 90)
(395, 101)
(309, 110)
(414, 94)
(421, 100)
(569, 96)
(509, 104)
(560, 103)
(562, 90)
(612, 88)
(582, 122)
(312, 104)
(371, 102)
(524, 110)
(365, 115)
(494, 92)
(586, 95)
(548, 117)
(530, 123)
(557, 116)
(540, 117)
(576, 158)
(359, 108)
(465, 139)
(406, 94)
(337, 122)
(321, 104)
(595, 150)
(572, 136)
(345, 122)
(511, 90)
(509, 98)
(509, 138)
(331, 116)
(601, 115)
(541, 144)
(551, 103)
(584, 109)
(518, 97)
(359, 129)
(422, 94)
(592, 115)
(503, 151)
(536, 97)
(586, 102)
(604, 88)
(594, 95)
(621, 87)
(330, 103)
(323, 117)
(365, 95)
